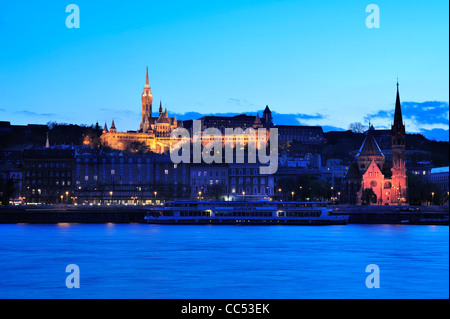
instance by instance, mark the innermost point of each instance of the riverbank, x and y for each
(50, 214)
(416, 215)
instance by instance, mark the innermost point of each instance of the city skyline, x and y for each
(228, 58)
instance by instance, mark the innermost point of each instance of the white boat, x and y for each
(245, 213)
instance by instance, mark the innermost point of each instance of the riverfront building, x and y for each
(115, 178)
(47, 175)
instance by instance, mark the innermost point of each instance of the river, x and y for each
(212, 261)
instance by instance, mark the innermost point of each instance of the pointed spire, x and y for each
(165, 112)
(398, 120)
(160, 108)
(113, 127)
(257, 119)
(47, 143)
(147, 85)
(105, 129)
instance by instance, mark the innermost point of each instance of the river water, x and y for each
(212, 261)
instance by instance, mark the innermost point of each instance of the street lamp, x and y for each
(110, 194)
(292, 193)
(243, 194)
(432, 198)
(155, 193)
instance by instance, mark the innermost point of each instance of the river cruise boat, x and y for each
(245, 213)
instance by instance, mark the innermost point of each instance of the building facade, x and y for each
(114, 178)
(47, 175)
(303, 134)
(209, 181)
(439, 177)
(245, 181)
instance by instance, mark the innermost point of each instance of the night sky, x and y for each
(312, 62)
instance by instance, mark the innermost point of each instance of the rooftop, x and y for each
(437, 170)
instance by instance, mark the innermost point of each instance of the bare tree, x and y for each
(357, 127)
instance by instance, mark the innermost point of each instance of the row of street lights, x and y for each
(333, 198)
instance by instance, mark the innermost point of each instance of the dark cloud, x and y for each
(437, 134)
(278, 118)
(430, 112)
(430, 118)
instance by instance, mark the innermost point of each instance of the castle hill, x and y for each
(247, 157)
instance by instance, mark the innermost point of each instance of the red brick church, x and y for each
(372, 180)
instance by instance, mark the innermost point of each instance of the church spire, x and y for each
(147, 85)
(398, 127)
(398, 110)
(47, 143)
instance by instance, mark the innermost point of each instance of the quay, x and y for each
(49, 214)
(374, 214)
(52, 214)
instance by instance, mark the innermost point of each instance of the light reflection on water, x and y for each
(212, 261)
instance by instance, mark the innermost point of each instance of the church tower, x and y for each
(147, 100)
(267, 116)
(398, 134)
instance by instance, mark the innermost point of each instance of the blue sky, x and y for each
(312, 62)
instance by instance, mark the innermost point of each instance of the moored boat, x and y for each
(245, 213)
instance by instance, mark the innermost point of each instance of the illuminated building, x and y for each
(153, 134)
(388, 182)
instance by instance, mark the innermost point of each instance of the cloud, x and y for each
(123, 112)
(430, 118)
(308, 119)
(31, 113)
(430, 112)
(240, 102)
(436, 134)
